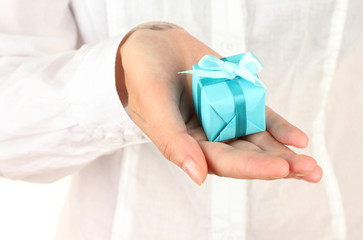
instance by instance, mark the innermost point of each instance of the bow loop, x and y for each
(251, 62)
(230, 68)
(213, 67)
(210, 62)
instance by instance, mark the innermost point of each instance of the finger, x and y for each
(314, 176)
(283, 131)
(302, 164)
(266, 142)
(299, 164)
(228, 161)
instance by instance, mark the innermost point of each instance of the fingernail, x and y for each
(300, 175)
(193, 170)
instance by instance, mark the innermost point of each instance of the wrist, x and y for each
(119, 70)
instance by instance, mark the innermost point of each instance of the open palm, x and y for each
(160, 104)
(259, 155)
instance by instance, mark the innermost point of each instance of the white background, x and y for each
(30, 211)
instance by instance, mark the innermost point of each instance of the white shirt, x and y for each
(60, 115)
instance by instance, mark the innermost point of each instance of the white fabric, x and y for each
(60, 115)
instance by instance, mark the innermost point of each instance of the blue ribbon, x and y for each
(216, 70)
(240, 107)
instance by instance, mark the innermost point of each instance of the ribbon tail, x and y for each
(260, 83)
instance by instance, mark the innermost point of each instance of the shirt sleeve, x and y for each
(58, 104)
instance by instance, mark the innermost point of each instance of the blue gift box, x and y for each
(229, 98)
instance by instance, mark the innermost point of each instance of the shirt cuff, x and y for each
(93, 94)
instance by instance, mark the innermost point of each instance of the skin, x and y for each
(160, 103)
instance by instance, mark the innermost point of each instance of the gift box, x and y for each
(229, 98)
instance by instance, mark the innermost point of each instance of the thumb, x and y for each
(184, 151)
(154, 94)
(162, 121)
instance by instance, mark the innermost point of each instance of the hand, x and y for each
(160, 104)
